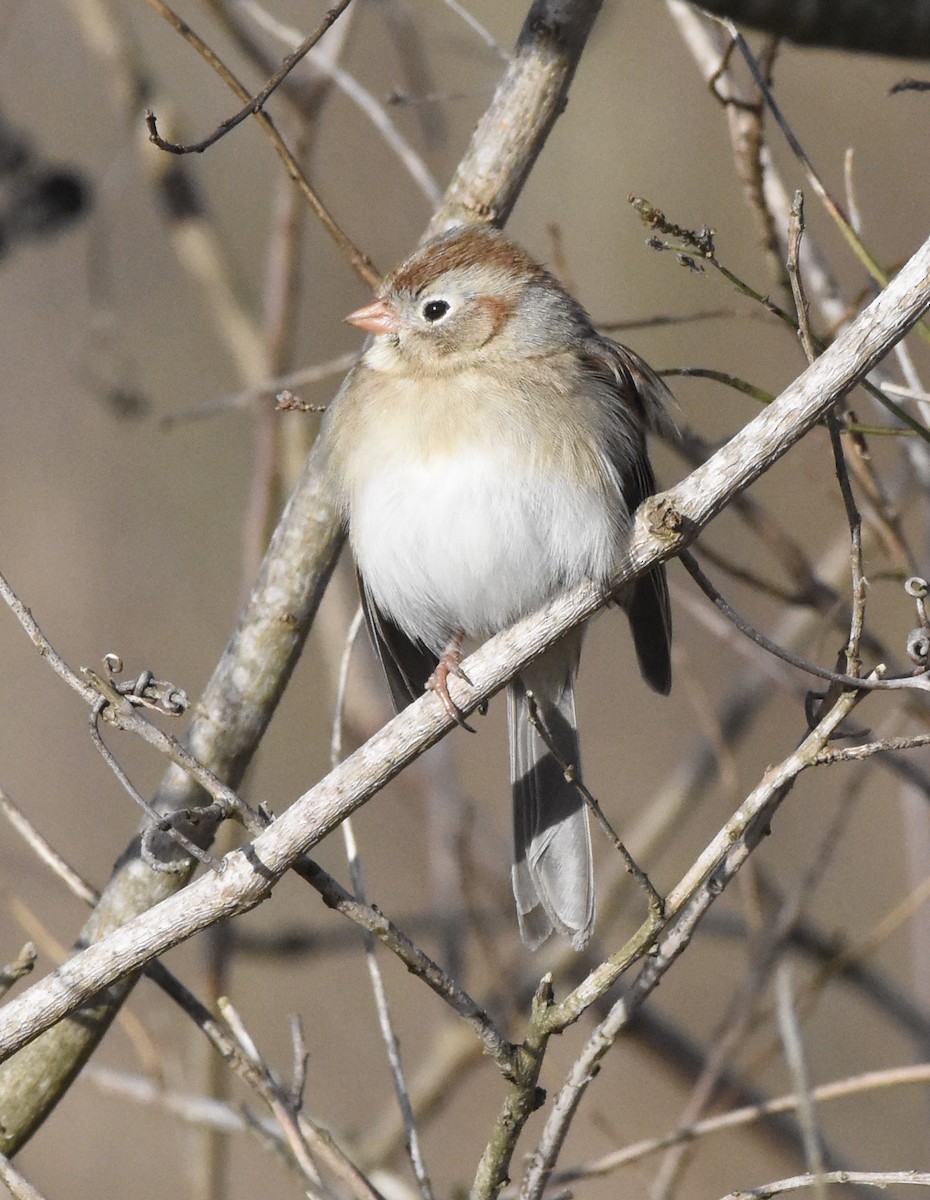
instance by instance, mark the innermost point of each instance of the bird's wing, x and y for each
(639, 389)
(407, 665)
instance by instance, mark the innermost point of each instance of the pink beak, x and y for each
(377, 317)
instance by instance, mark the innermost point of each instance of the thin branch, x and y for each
(373, 109)
(291, 1122)
(474, 24)
(891, 745)
(789, 1028)
(858, 580)
(164, 824)
(450, 1058)
(840, 1089)
(877, 1179)
(570, 771)
(29, 624)
(708, 41)
(921, 682)
(45, 851)
(353, 255)
(766, 948)
(342, 685)
(18, 968)
(120, 704)
(386, 1025)
(294, 1125)
(194, 1110)
(802, 309)
(522, 1098)
(801, 304)
(696, 248)
(255, 103)
(416, 961)
(245, 398)
(829, 203)
(906, 392)
(660, 320)
(19, 1186)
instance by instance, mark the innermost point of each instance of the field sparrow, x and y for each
(488, 452)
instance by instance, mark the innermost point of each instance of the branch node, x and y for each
(664, 519)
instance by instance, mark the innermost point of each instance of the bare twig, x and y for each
(570, 771)
(473, 23)
(356, 259)
(368, 103)
(243, 1059)
(120, 704)
(386, 1024)
(84, 689)
(255, 103)
(17, 968)
(45, 851)
(19, 1186)
(696, 247)
(802, 308)
(164, 824)
(790, 1032)
(890, 745)
(801, 304)
(246, 397)
(193, 1110)
(419, 963)
(877, 1179)
(826, 199)
(920, 682)
(769, 939)
(838, 1090)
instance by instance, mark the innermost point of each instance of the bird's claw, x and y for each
(449, 664)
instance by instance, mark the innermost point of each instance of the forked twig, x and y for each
(356, 259)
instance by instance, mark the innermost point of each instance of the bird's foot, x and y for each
(450, 663)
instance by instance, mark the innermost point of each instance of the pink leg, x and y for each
(450, 663)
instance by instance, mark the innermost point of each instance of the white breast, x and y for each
(474, 539)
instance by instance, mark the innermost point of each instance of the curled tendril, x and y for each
(918, 640)
(145, 691)
(918, 647)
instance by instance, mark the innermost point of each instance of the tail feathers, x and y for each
(650, 618)
(553, 876)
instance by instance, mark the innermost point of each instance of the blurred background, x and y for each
(133, 475)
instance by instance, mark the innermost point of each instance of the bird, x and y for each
(487, 452)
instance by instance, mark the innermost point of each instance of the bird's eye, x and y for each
(435, 310)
